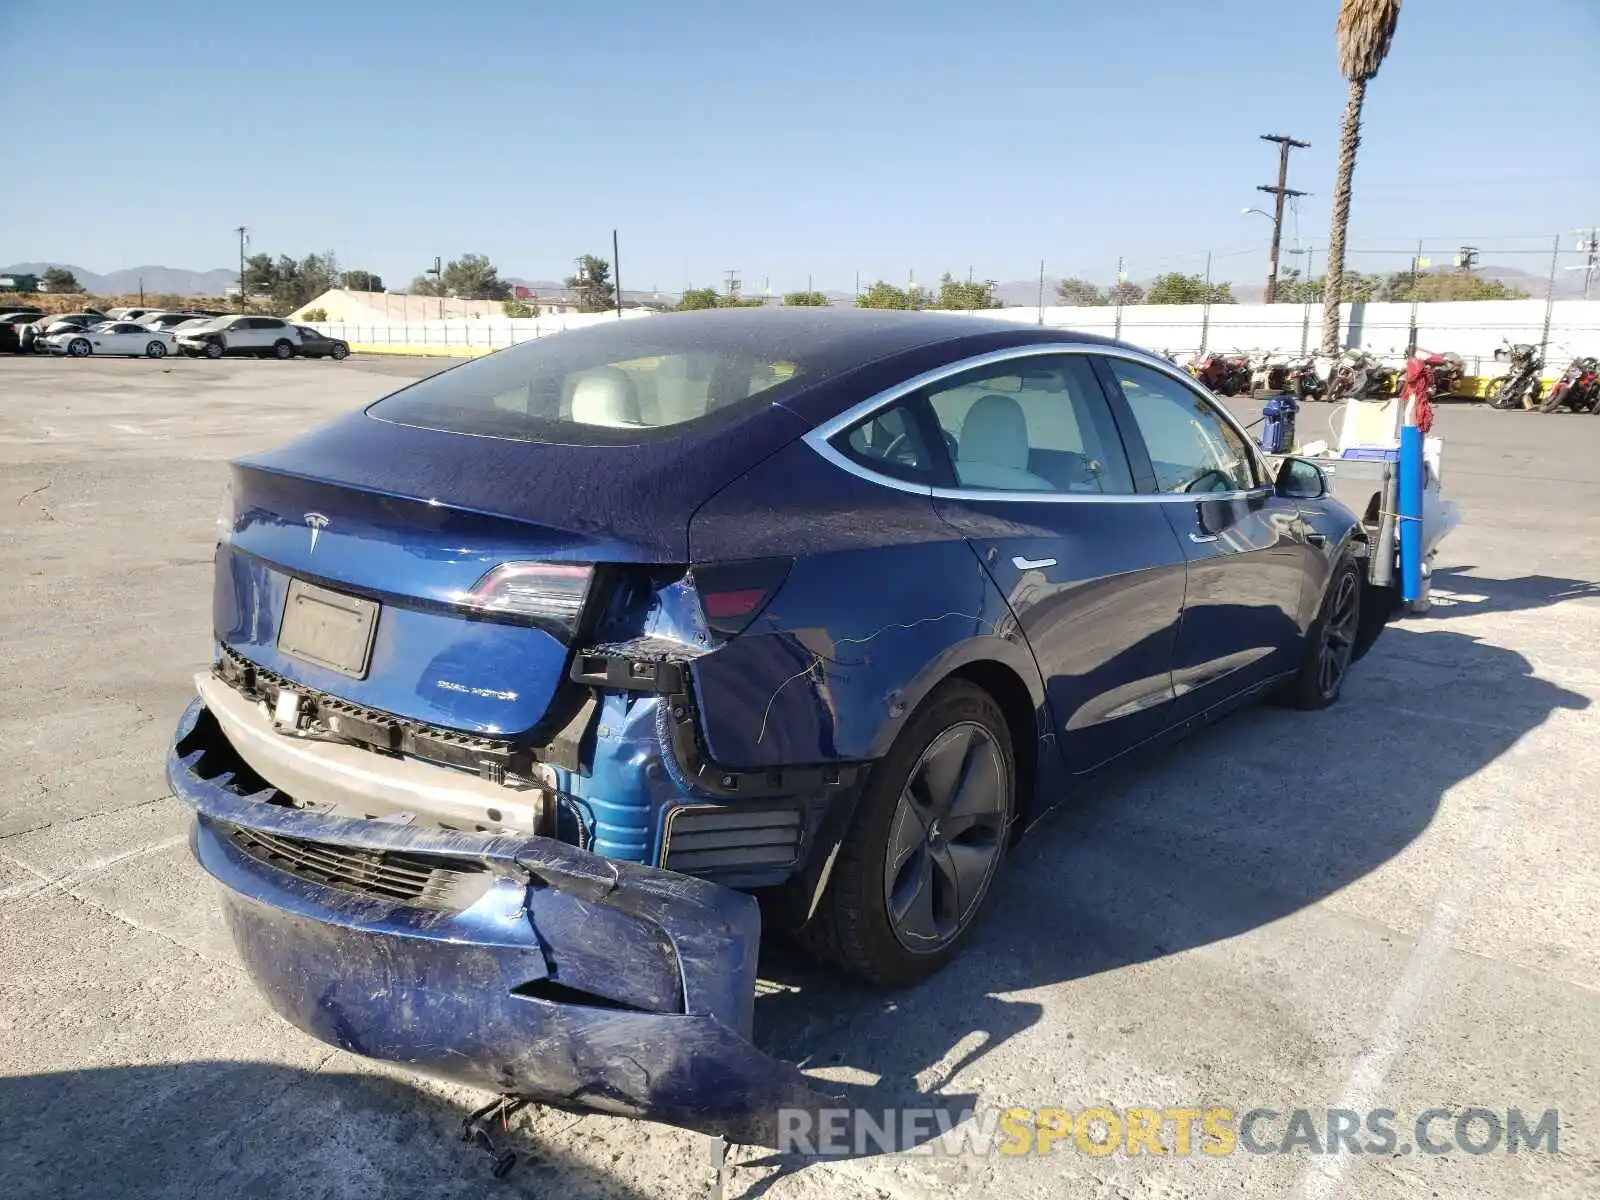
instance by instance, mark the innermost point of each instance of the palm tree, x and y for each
(1364, 28)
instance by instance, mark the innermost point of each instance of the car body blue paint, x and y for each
(1126, 639)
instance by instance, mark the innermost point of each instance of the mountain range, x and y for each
(152, 279)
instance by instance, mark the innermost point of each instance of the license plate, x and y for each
(328, 628)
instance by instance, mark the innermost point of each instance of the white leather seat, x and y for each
(994, 447)
(605, 396)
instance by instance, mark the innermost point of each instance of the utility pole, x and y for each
(733, 283)
(616, 272)
(1588, 243)
(244, 239)
(1285, 144)
(1466, 258)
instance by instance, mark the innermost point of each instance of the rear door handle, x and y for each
(1032, 564)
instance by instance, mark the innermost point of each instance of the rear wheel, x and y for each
(156, 350)
(282, 349)
(1330, 643)
(928, 836)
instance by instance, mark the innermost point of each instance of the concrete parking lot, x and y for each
(1392, 904)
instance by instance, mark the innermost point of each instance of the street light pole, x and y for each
(243, 237)
(1282, 190)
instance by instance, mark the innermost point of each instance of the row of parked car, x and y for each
(156, 333)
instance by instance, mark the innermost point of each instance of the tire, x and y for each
(213, 350)
(156, 350)
(958, 735)
(1330, 642)
(80, 348)
(339, 353)
(282, 350)
(1556, 398)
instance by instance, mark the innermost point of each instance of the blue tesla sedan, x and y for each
(538, 681)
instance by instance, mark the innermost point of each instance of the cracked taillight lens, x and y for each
(545, 592)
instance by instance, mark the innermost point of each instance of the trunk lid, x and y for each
(409, 520)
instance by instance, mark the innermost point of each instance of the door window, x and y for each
(1192, 447)
(1034, 424)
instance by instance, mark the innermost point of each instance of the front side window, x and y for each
(1192, 448)
(1033, 424)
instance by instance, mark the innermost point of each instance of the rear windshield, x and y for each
(604, 386)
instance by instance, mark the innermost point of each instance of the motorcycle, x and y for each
(1224, 374)
(1360, 376)
(1270, 373)
(1520, 387)
(1577, 389)
(1446, 371)
(1304, 378)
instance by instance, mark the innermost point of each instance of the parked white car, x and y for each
(241, 334)
(113, 337)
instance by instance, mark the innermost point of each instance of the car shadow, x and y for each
(1247, 822)
(198, 1130)
(1459, 593)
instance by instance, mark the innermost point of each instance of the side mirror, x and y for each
(1301, 479)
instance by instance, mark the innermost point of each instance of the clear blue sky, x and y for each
(782, 139)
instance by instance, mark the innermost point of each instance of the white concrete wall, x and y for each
(1473, 329)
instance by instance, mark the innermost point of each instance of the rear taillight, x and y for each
(732, 594)
(548, 593)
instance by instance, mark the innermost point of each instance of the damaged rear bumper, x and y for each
(516, 964)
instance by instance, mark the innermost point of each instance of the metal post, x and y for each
(1117, 330)
(1305, 320)
(616, 272)
(1205, 312)
(1041, 291)
(1550, 299)
(1416, 271)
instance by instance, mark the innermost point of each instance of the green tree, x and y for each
(1364, 30)
(954, 294)
(312, 315)
(1079, 292)
(1125, 293)
(1176, 288)
(697, 299)
(59, 279)
(362, 281)
(886, 295)
(519, 308)
(428, 285)
(592, 284)
(473, 277)
(805, 300)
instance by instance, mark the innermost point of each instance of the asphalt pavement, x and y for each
(1392, 904)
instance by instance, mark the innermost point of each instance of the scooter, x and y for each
(1521, 386)
(1360, 376)
(1446, 371)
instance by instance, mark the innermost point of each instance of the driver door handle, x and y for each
(1202, 537)
(1032, 564)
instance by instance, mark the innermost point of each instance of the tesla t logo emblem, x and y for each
(318, 523)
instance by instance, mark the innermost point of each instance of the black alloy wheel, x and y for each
(925, 844)
(1330, 643)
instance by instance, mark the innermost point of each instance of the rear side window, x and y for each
(891, 442)
(1035, 424)
(594, 386)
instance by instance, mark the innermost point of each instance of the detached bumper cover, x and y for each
(571, 979)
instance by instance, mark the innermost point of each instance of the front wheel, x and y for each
(213, 350)
(79, 348)
(156, 350)
(926, 841)
(1330, 643)
(339, 353)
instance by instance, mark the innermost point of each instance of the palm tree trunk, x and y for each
(1349, 141)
